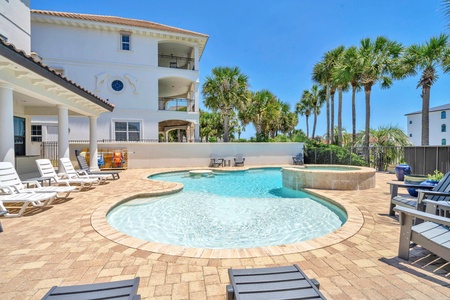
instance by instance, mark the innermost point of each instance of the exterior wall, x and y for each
(92, 58)
(15, 23)
(436, 135)
(160, 155)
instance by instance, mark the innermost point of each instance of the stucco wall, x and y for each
(159, 155)
(15, 23)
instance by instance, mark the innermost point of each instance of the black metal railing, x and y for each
(176, 104)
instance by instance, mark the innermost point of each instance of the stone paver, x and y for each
(70, 243)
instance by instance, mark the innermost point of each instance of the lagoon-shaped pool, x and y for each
(243, 209)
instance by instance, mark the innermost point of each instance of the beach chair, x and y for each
(47, 171)
(439, 192)
(33, 199)
(10, 178)
(298, 159)
(117, 159)
(124, 289)
(2, 212)
(85, 167)
(71, 173)
(288, 282)
(215, 161)
(239, 160)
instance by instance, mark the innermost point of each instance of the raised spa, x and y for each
(329, 177)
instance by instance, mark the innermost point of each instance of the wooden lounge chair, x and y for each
(272, 283)
(71, 173)
(215, 161)
(239, 160)
(433, 234)
(437, 193)
(48, 172)
(9, 177)
(85, 167)
(124, 289)
(298, 159)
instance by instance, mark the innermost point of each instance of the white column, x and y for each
(196, 96)
(63, 133)
(6, 123)
(93, 151)
(197, 132)
(196, 58)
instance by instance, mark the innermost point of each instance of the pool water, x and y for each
(229, 210)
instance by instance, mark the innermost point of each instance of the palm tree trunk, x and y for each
(225, 127)
(314, 125)
(328, 113)
(425, 115)
(332, 117)
(340, 117)
(353, 114)
(367, 90)
(307, 127)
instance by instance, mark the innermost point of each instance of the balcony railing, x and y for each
(176, 62)
(176, 104)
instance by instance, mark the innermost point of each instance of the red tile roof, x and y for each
(119, 21)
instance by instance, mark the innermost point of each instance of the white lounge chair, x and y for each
(48, 172)
(71, 173)
(10, 178)
(35, 199)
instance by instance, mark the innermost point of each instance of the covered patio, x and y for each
(29, 88)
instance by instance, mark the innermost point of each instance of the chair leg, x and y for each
(230, 292)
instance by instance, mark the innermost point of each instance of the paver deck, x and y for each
(70, 243)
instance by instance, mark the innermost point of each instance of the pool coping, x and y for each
(98, 221)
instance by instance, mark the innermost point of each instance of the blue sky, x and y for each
(277, 43)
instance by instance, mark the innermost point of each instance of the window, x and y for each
(4, 38)
(410, 135)
(443, 128)
(443, 114)
(410, 121)
(443, 142)
(117, 85)
(19, 136)
(36, 133)
(127, 131)
(125, 41)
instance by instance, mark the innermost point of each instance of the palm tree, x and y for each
(446, 5)
(322, 74)
(225, 91)
(318, 98)
(263, 110)
(349, 70)
(378, 60)
(304, 108)
(288, 119)
(426, 58)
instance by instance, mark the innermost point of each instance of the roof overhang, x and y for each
(44, 88)
(109, 23)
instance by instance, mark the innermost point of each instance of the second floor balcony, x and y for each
(176, 104)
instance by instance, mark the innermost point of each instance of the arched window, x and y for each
(443, 114)
(443, 142)
(443, 128)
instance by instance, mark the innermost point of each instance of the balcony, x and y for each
(176, 104)
(176, 55)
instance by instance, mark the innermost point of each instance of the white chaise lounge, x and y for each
(10, 178)
(34, 199)
(71, 173)
(48, 172)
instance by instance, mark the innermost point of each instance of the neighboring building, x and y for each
(439, 126)
(29, 88)
(148, 70)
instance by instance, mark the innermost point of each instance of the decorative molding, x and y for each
(100, 80)
(133, 81)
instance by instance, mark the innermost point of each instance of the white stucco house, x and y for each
(148, 70)
(439, 126)
(29, 88)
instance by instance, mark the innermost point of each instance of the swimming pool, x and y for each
(229, 210)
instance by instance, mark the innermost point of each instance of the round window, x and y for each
(117, 85)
